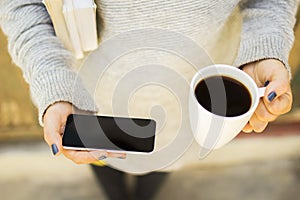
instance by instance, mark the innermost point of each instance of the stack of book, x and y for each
(74, 23)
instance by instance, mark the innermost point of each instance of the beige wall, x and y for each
(294, 59)
(15, 106)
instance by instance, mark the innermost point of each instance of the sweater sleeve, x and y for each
(267, 30)
(46, 64)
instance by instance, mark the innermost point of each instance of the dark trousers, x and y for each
(115, 185)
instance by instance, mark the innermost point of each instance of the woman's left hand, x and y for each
(278, 96)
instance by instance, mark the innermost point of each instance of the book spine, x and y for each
(68, 12)
(87, 27)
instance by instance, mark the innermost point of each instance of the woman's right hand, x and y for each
(55, 119)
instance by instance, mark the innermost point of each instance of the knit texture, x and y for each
(267, 30)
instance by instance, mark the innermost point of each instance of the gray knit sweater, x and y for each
(234, 32)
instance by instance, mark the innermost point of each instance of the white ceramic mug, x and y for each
(213, 131)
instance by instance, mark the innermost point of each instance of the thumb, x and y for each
(54, 122)
(54, 141)
(52, 135)
(275, 88)
(278, 97)
(277, 79)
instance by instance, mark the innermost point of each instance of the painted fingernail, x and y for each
(121, 157)
(102, 158)
(266, 83)
(54, 149)
(272, 96)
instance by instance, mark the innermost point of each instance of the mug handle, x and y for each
(261, 91)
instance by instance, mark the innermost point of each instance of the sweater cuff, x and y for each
(264, 47)
(60, 85)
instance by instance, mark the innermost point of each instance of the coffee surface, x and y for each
(223, 96)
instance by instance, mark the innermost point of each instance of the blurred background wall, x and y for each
(295, 64)
(18, 116)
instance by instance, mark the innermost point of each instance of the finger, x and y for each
(263, 113)
(276, 88)
(54, 122)
(116, 155)
(278, 95)
(53, 139)
(248, 128)
(85, 157)
(257, 125)
(280, 105)
(277, 76)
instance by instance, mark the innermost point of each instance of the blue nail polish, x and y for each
(266, 83)
(272, 96)
(101, 157)
(54, 149)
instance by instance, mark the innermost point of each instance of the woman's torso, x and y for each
(148, 54)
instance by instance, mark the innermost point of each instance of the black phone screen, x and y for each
(109, 133)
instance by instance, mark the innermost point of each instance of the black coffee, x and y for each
(223, 96)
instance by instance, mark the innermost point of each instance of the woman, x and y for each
(254, 35)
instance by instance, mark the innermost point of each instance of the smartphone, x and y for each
(116, 134)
